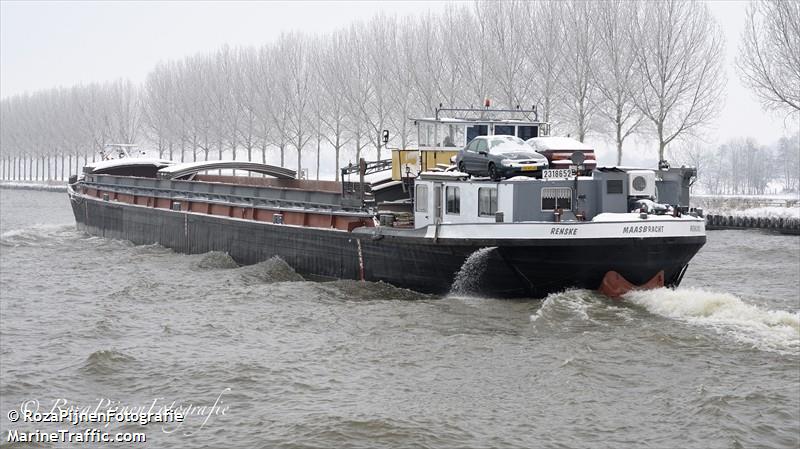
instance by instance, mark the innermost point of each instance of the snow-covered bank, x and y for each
(776, 197)
(755, 206)
(33, 185)
(768, 212)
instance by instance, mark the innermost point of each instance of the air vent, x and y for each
(639, 184)
(642, 183)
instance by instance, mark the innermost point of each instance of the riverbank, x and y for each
(49, 186)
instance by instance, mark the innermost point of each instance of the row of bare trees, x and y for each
(613, 68)
(742, 166)
(45, 134)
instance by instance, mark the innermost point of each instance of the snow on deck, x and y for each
(634, 216)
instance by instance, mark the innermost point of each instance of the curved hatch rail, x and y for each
(189, 169)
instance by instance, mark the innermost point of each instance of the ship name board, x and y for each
(563, 230)
(640, 229)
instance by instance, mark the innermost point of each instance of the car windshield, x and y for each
(505, 146)
(498, 140)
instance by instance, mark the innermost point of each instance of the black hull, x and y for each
(519, 268)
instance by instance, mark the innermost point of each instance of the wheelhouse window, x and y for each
(556, 198)
(487, 201)
(453, 200)
(423, 134)
(477, 130)
(454, 136)
(527, 132)
(504, 130)
(421, 199)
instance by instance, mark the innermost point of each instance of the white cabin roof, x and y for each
(125, 162)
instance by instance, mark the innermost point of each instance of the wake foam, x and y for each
(352, 290)
(578, 308)
(39, 235)
(772, 330)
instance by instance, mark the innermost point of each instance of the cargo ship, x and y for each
(412, 221)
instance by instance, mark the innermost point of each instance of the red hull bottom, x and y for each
(614, 285)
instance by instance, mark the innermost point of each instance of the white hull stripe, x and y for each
(586, 230)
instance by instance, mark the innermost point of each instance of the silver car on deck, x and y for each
(500, 157)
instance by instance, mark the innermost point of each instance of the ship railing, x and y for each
(250, 196)
(359, 192)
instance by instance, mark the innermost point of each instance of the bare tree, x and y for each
(577, 81)
(474, 50)
(679, 58)
(788, 157)
(506, 30)
(155, 107)
(402, 79)
(295, 84)
(124, 111)
(245, 99)
(330, 68)
(694, 154)
(769, 56)
(614, 70)
(273, 110)
(355, 88)
(544, 52)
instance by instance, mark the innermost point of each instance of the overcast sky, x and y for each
(46, 44)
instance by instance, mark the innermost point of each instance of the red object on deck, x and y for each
(614, 285)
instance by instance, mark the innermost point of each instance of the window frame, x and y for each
(480, 202)
(420, 206)
(456, 201)
(556, 198)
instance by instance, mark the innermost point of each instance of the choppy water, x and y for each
(715, 364)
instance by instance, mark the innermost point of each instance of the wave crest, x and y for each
(269, 271)
(774, 330)
(106, 362)
(38, 235)
(215, 260)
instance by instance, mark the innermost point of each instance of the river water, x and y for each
(258, 357)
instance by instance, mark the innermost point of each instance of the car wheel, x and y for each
(462, 168)
(493, 172)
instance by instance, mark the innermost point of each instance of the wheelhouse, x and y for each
(440, 137)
